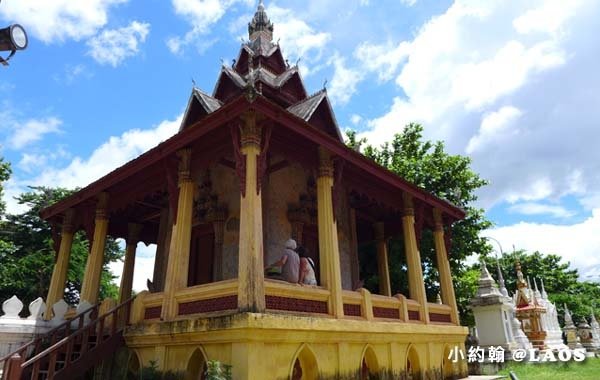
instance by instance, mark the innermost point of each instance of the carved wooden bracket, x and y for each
(338, 165)
(170, 166)
(89, 225)
(261, 167)
(240, 159)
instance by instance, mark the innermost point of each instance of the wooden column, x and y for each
(416, 284)
(127, 276)
(447, 288)
(179, 255)
(385, 288)
(93, 269)
(56, 291)
(251, 289)
(162, 250)
(328, 237)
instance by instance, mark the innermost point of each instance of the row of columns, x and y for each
(90, 287)
(416, 284)
(251, 294)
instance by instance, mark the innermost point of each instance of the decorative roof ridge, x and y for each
(315, 100)
(321, 93)
(203, 93)
(247, 46)
(234, 75)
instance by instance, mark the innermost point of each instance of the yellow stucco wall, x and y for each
(265, 346)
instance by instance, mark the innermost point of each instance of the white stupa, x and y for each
(549, 320)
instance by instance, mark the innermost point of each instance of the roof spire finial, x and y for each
(260, 25)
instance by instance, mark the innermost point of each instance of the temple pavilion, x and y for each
(255, 163)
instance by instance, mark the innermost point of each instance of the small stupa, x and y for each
(529, 311)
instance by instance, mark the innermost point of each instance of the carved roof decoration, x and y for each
(260, 26)
(307, 109)
(199, 105)
(281, 99)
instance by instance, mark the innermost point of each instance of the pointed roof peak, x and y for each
(260, 25)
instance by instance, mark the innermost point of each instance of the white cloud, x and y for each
(113, 153)
(297, 38)
(31, 131)
(143, 269)
(578, 243)
(344, 82)
(495, 127)
(550, 17)
(59, 20)
(201, 15)
(356, 119)
(113, 46)
(383, 59)
(532, 208)
(409, 3)
(511, 83)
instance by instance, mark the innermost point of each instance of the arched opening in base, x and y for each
(304, 366)
(413, 366)
(369, 369)
(449, 370)
(196, 368)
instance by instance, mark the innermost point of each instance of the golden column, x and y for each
(93, 268)
(133, 237)
(56, 290)
(179, 255)
(447, 288)
(385, 289)
(251, 288)
(329, 250)
(416, 285)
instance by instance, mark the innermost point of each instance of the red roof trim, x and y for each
(228, 112)
(335, 146)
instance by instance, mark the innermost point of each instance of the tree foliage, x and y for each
(428, 165)
(560, 281)
(5, 172)
(27, 255)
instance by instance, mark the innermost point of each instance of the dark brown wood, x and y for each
(440, 318)
(93, 347)
(12, 367)
(227, 163)
(292, 124)
(261, 166)
(386, 312)
(240, 159)
(278, 166)
(34, 347)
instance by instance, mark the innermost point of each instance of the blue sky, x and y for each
(511, 84)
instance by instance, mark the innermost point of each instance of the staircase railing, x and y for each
(77, 351)
(48, 339)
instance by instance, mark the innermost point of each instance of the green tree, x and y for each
(27, 255)
(428, 165)
(5, 172)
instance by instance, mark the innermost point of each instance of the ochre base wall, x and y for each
(266, 346)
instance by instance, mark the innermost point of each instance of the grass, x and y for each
(586, 370)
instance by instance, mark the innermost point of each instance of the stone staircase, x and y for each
(71, 349)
